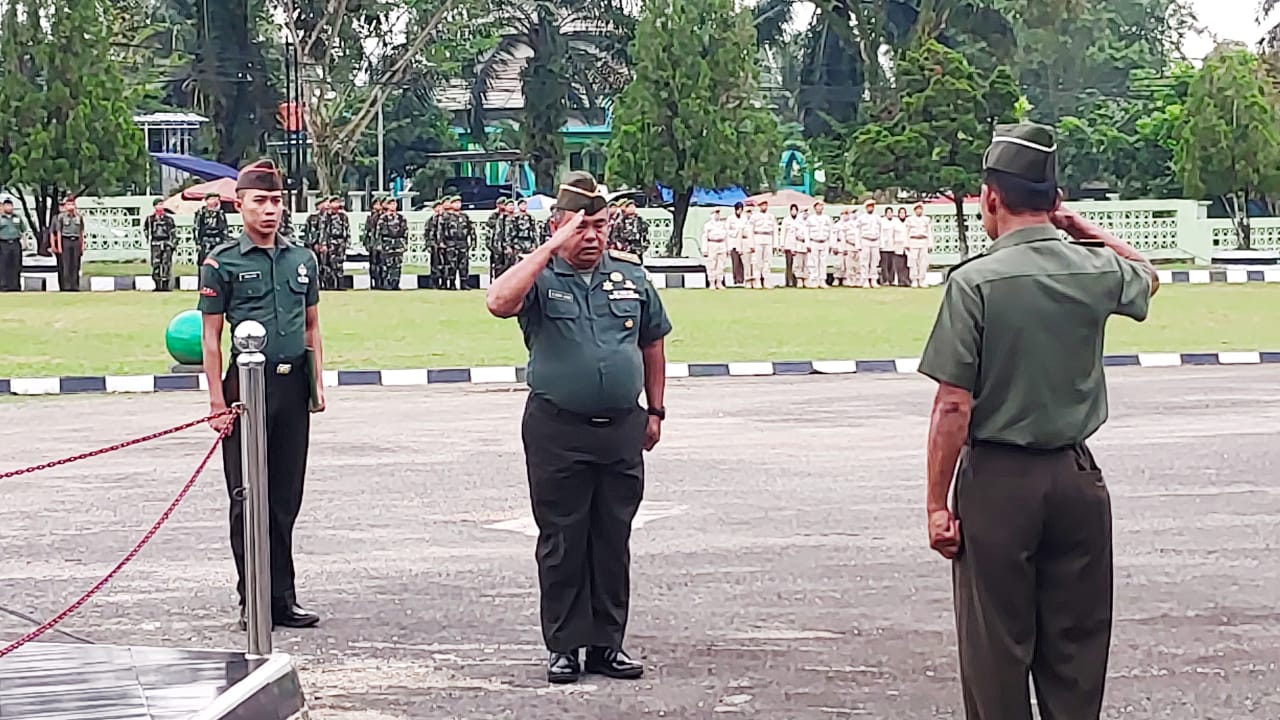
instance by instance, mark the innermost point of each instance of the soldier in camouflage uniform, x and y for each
(637, 230)
(432, 246)
(372, 242)
(524, 231)
(338, 233)
(162, 235)
(210, 226)
(499, 241)
(459, 239)
(393, 240)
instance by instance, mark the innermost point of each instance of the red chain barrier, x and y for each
(164, 517)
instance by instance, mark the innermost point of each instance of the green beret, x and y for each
(579, 191)
(1025, 150)
(212, 195)
(157, 202)
(260, 175)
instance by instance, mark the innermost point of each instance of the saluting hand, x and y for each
(652, 432)
(1070, 222)
(566, 230)
(944, 533)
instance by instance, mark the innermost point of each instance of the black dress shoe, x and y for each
(293, 616)
(563, 668)
(613, 663)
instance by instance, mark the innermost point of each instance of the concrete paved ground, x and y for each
(780, 570)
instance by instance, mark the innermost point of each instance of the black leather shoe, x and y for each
(293, 616)
(613, 663)
(563, 668)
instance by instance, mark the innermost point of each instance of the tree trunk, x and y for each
(957, 196)
(675, 246)
(1246, 239)
(328, 165)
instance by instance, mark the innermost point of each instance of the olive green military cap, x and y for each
(579, 191)
(157, 202)
(1024, 150)
(260, 175)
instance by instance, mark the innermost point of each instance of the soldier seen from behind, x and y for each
(210, 226)
(1016, 351)
(161, 233)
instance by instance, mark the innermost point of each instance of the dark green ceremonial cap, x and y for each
(579, 191)
(1025, 150)
(261, 175)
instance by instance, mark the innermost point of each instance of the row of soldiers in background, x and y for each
(162, 235)
(628, 231)
(386, 237)
(512, 233)
(867, 250)
(450, 237)
(327, 233)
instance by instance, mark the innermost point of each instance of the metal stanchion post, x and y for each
(250, 338)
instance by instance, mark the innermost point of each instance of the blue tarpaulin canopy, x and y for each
(201, 168)
(726, 197)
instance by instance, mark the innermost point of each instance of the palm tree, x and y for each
(574, 54)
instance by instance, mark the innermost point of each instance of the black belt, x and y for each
(600, 419)
(1010, 447)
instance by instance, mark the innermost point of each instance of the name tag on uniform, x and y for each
(624, 295)
(254, 275)
(559, 295)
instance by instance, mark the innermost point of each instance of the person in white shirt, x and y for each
(819, 245)
(869, 231)
(764, 235)
(900, 274)
(919, 243)
(793, 231)
(850, 252)
(737, 230)
(715, 249)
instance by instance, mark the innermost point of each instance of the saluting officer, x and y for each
(1017, 354)
(594, 326)
(264, 276)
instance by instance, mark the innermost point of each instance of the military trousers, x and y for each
(69, 264)
(714, 256)
(457, 266)
(377, 269)
(789, 268)
(162, 265)
(288, 438)
(869, 264)
(10, 265)
(1033, 582)
(586, 480)
(391, 265)
(761, 263)
(816, 264)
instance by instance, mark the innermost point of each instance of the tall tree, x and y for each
(935, 137)
(354, 54)
(1230, 142)
(574, 54)
(691, 118)
(63, 129)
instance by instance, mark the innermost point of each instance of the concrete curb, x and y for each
(48, 282)
(75, 385)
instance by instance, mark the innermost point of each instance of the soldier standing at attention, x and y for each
(851, 252)
(919, 242)
(869, 232)
(432, 246)
(211, 227)
(393, 241)
(459, 241)
(313, 235)
(714, 236)
(68, 244)
(371, 242)
(819, 244)
(594, 327)
(11, 232)
(790, 233)
(497, 242)
(264, 277)
(339, 237)
(637, 230)
(161, 234)
(1017, 354)
(524, 231)
(737, 233)
(764, 236)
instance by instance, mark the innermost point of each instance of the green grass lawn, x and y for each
(127, 268)
(45, 334)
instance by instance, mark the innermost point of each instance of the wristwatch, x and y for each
(658, 412)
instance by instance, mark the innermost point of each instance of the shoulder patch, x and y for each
(625, 256)
(210, 262)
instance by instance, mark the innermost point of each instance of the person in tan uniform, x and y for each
(819, 244)
(737, 231)
(888, 239)
(715, 250)
(919, 243)
(847, 240)
(792, 231)
(869, 231)
(764, 235)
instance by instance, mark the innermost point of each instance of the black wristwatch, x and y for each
(660, 413)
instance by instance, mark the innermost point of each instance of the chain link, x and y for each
(120, 446)
(151, 533)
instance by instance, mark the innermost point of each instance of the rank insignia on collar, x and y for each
(628, 257)
(607, 285)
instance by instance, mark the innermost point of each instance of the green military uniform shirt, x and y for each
(1021, 328)
(273, 286)
(584, 337)
(69, 226)
(10, 227)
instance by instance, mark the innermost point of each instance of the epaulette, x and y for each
(625, 257)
